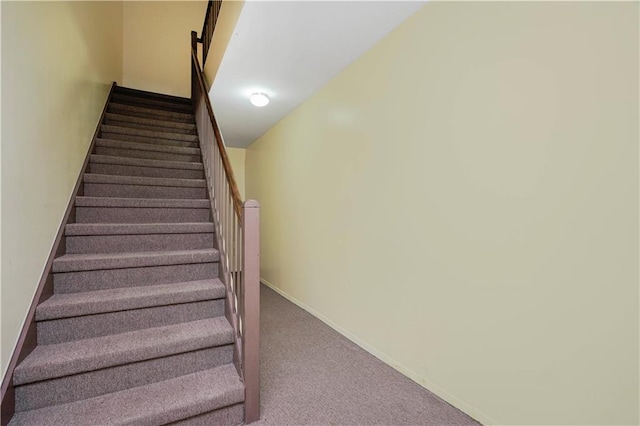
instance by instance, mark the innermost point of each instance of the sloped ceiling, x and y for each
(288, 50)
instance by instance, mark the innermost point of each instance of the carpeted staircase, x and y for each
(135, 331)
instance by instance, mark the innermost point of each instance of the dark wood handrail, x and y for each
(206, 21)
(210, 18)
(235, 194)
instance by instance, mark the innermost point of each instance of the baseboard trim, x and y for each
(422, 381)
(27, 340)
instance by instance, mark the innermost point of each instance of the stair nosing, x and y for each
(197, 393)
(123, 202)
(99, 229)
(101, 261)
(155, 111)
(174, 137)
(71, 305)
(133, 100)
(158, 123)
(100, 178)
(143, 93)
(122, 137)
(145, 162)
(159, 127)
(139, 146)
(96, 353)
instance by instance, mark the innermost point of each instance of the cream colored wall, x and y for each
(462, 201)
(2, 365)
(225, 24)
(58, 62)
(237, 159)
(157, 44)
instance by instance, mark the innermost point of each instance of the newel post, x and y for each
(194, 46)
(251, 320)
(194, 41)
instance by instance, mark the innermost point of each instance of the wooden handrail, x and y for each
(206, 21)
(237, 199)
(210, 18)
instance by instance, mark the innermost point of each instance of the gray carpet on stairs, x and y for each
(312, 375)
(158, 404)
(135, 331)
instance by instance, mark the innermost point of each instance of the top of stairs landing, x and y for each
(127, 91)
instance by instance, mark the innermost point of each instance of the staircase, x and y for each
(135, 332)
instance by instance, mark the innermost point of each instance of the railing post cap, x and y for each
(251, 204)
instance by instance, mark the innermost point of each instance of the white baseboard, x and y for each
(424, 382)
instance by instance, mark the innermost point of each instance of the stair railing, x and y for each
(210, 18)
(237, 227)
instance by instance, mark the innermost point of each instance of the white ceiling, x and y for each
(288, 50)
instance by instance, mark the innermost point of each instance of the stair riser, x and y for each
(90, 384)
(152, 103)
(149, 121)
(135, 243)
(149, 133)
(140, 215)
(73, 282)
(148, 140)
(127, 91)
(152, 155)
(88, 326)
(150, 113)
(231, 415)
(142, 191)
(119, 169)
(187, 130)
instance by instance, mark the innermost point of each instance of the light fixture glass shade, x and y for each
(259, 99)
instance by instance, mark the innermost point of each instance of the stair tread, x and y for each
(63, 359)
(95, 261)
(87, 229)
(157, 403)
(149, 121)
(129, 91)
(148, 140)
(179, 203)
(148, 109)
(145, 100)
(127, 298)
(143, 180)
(148, 124)
(112, 143)
(159, 134)
(144, 162)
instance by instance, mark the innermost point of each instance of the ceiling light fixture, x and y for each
(259, 99)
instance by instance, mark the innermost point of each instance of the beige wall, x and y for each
(225, 25)
(157, 44)
(58, 62)
(462, 201)
(237, 159)
(2, 363)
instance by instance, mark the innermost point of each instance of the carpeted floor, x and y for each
(312, 375)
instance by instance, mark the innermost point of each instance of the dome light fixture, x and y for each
(259, 99)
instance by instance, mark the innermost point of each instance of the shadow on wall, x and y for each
(86, 18)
